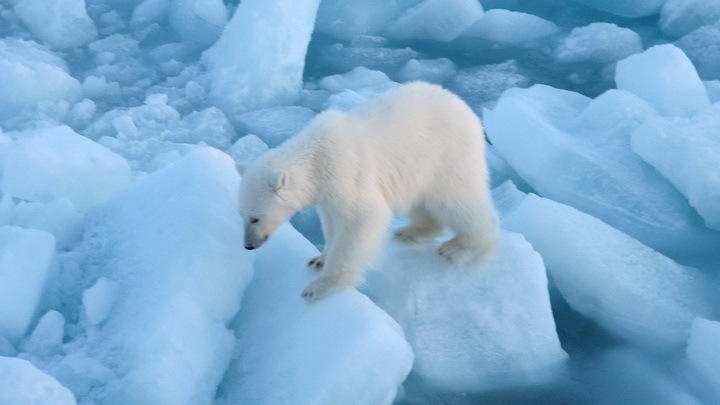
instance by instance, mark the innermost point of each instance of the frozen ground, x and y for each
(122, 274)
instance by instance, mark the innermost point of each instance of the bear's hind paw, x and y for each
(459, 253)
(317, 263)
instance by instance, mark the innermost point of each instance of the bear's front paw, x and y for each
(317, 263)
(320, 288)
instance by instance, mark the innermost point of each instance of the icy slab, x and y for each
(58, 217)
(664, 77)
(472, 328)
(702, 348)
(437, 20)
(56, 162)
(577, 151)
(628, 288)
(482, 85)
(511, 28)
(340, 350)
(30, 75)
(680, 17)
(274, 125)
(246, 149)
(259, 59)
(62, 24)
(27, 270)
(22, 383)
(624, 8)
(198, 22)
(702, 46)
(342, 58)
(598, 43)
(209, 126)
(99, 300)
(687, 152)
(436, 71)
(712, 86)
(344, 20)
(355, 79)
(172, 242)
(47, 337)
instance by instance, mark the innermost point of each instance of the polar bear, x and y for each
(416, 149)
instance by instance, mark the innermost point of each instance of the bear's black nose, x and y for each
(249, 247)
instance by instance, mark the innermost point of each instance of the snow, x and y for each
(56, 162)
(604, 274)
(25, 384)
(122, 273)
(244, 75)
(686, 151)
(63, 25)
(445, 313)
(664, 77)
(345, 350)
(438, 20)
(28, 268)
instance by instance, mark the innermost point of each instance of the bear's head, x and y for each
(266, 202)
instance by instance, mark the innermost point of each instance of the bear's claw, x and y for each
(317, 263)
(320, 288)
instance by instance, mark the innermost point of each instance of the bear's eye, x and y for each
(254, 220)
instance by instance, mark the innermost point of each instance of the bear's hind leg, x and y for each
(422, 227)
(476, 234)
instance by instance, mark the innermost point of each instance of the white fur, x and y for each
(417, 149)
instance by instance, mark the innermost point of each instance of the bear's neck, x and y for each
(300, 164)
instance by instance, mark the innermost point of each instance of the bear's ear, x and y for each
(278, 180)
(241, 167)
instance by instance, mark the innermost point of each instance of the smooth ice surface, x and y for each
(58, 217)
(198, 22)
(172, 242)
(680, 17)
(340, 350)
(625, 8)
(598, 43)
(436, 71)
(511, 28)
(274, 125)
(259, 59)
(701, 348)
(606, 275)
(61, 24)
(438, 20)
(577, 151)
(355, 79)
(664, 77)
(702, 46)
(472, 327)
(687, 152)
(47, 337)
(56, 162)
(344, 20)
(22, 383)
(29, 75)
(27, 273)
(99, 300)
